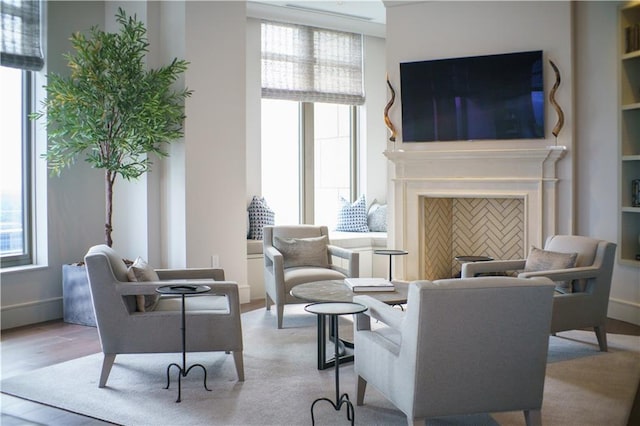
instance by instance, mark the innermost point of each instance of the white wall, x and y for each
(597, 166)
(215, 137)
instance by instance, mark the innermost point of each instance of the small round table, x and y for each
(184, 290)
(334, 309)
(390, 253)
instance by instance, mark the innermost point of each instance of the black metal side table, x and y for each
(184, 290)
(390, 253)
(334, 309)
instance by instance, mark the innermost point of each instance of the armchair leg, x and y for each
(601, 334)
(279, 314)
(239, 362)
(107, 363)
(361, 387)
(533, 417)
(268, 302)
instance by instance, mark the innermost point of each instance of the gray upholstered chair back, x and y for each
(462, 346)
(105, 266)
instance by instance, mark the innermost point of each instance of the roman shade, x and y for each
(20, 25)
(308, 64)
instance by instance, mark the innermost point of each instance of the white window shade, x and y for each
(20, 34)
(309, 64)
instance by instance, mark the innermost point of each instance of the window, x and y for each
(15, 167)
(308, 159)
(311, 86)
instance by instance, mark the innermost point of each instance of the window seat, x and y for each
(254, 247)
(373, 240)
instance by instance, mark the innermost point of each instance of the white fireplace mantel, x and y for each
(525, 173)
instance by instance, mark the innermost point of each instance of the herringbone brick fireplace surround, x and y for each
(470, 226)
(469, 202)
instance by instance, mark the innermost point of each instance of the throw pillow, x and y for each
(545, 260)
(141, 271)
(377, 217)
(353, 217)
(303, 251)
(259, 215)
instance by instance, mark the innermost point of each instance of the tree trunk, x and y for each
(109, 180)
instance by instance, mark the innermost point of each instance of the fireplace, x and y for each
(446, 203)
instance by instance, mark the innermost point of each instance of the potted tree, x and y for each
(112, 112)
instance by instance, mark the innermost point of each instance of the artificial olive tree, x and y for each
(112, 110)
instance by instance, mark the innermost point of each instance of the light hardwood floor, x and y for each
(31, 347)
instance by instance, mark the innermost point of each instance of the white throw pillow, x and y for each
(303, 251)
(377, 217)
(353, 217)
(141, 271)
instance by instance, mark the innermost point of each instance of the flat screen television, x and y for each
(473, 98)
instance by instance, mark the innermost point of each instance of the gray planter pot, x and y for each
(76, 296)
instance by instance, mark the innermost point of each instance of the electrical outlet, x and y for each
(215, 261)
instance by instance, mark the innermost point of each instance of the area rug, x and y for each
(583, 386)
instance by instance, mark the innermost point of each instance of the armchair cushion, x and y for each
(303, 251)
(545, 260)
(353, 217)
(141, 271)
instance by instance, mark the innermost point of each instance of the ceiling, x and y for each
(367, 10)
(366, 16)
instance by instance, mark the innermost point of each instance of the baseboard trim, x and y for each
(20, 314)
(623, 310)
(244, 292)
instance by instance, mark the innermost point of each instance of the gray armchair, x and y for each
(584, 301)
(300, 254)
(464, 346)
(213, 320)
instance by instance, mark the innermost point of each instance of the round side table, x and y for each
(390, 253)
(184, 290)
(335, 309)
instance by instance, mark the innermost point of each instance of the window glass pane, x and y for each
(332, 160)
(280, 159)
(12, 233)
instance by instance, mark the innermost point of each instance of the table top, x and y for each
(337, 291)
(335, 308)
(473, 258)
(183, 289)
(390, 252)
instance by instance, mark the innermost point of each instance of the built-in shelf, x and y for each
(631, 210)
(629, 142)
(631, 55)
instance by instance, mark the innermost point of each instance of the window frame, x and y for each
(27, 143)
(306, 160)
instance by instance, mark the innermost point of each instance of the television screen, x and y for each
(473, 98)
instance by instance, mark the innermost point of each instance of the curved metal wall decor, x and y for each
(552, 99)
(387, 121)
